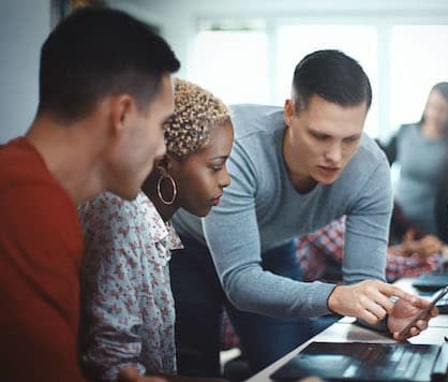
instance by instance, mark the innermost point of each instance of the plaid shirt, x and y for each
(321, 251)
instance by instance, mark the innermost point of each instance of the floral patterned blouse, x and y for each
(128, 307)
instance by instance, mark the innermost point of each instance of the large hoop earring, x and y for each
(173, 186)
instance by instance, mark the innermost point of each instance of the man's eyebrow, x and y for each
(324, 134)
(353, 136)
(318, 132)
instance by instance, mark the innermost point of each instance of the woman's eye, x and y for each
(216, 167)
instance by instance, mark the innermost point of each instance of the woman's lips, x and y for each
(215, 201)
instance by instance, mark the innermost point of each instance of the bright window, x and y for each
(419, 59)
(244, 61)
(232, 63)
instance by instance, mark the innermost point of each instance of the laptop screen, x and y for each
(431, 281)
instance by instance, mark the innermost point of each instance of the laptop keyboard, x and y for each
(402, 361)
(367, 362)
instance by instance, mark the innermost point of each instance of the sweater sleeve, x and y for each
(367, 228)
(233, 236)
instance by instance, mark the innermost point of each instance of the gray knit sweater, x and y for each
(261, 209)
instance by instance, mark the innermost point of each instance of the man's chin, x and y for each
(128, 195)
(131, 197)
(327, 180)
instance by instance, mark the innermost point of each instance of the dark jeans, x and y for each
(199, 301)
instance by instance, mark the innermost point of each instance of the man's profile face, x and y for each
(322, 138)
(142, 141)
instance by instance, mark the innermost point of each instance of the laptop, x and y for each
(364, 361)
(431, 281)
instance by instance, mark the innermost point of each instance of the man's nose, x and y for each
(334, 153)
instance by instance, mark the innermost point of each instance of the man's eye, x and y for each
(350, 140)
(320, 137)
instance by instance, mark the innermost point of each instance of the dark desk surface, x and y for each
(345, 330)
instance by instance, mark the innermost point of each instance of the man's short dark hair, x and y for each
(332, 75)
(97, 52)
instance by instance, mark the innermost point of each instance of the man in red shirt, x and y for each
(105, 90)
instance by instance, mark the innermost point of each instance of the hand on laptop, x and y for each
(408, 320)
(369, 300)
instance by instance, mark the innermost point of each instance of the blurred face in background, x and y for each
(436, 110)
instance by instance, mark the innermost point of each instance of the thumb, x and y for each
(128, 374)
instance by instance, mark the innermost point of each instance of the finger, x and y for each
(367, 316)
(431, 314)
(380, 293)
(393, 291)
(422, 303)
(434, 312)
(376, 308)
(421, 325)
(414, 331)
(384, 302)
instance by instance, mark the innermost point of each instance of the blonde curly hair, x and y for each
(196, 113)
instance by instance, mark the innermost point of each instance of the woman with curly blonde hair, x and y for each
(128, 308)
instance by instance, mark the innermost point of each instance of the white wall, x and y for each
(24, 25)
(178, 17)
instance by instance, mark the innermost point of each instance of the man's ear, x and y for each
(122, 106)
(161, 163)
(288, 111)
(167, 164)
(173, 164)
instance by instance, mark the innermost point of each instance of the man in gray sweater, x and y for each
(293, 171)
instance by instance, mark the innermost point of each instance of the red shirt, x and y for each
(40, 253)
